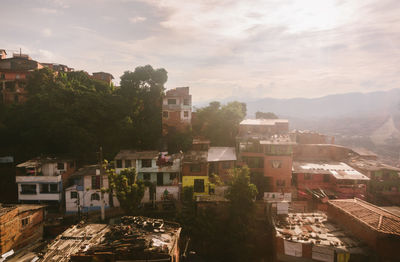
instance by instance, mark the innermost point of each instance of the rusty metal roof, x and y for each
(375, 217)
(339, 170)
(216, 154)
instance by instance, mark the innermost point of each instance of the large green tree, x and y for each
(266, 115)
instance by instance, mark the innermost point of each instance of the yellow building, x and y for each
(200, 184)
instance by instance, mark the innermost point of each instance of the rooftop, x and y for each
(278, 139)
(178, 91)
(133, 154)
(373, 216)
(41, 160)
(221, 154)
(370, 164)
(263, 122)
(195, 156)
(86, 170)
(339, 170)
(314, 228)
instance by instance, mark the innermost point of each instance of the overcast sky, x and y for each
(220, 48)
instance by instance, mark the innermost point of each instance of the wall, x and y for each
(186, 170)
(282, 173)
(189, 181)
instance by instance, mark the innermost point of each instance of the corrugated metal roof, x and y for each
(216, 154)
(263, 122)
(339, 170)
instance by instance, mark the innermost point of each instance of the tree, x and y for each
(128, 189)
(266, 115)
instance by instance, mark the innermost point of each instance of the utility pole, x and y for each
(101, 185)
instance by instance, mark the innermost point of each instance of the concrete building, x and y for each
(377, 227)
(84, 194)
(13, 76)
(195, 172)
(103, 76)
(161, 169)
(176, 110)
(336, 179)
(58, 67)
(265, 127)
(20, 225)
(135, 239)
(221, 160)
(41, 180)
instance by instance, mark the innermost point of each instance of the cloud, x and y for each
(137, 19)
(46, 32)
(44, 10)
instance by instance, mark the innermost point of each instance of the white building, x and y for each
(85, 195)
(161, 169)
(41, 180)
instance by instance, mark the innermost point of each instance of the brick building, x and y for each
(377, 227)
(221, 160)
(20, 225)
(103, 76)
(176, 110)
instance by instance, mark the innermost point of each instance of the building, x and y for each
(161, 169)
(103, 76)
(58, 67)
(41, 180)
(134, 239)
(195, 172)
(20, 225)
(221, 160)
(310, 137)
(313, 237)
(84, 194)
(13, 76)
(265, 127)
(176, 110)
(377, 227)
(321, 152)
(336, 179)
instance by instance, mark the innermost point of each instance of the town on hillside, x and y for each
(145, 176)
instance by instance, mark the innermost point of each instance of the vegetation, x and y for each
(266, 115)
(218, 123)
(127, 188)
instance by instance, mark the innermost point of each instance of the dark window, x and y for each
(160, 179)
(95, 196)
(146, 176)
(280, 182)
(74, 194)
(276, 163)
(254, 162)
(60, 166)
(95, 182)
(307, 176)
(171, 101)
(44, 188)
(71, 165)
(226, 165)
(186, 102)
(198, 185)
(146, 162)
(2, 76)
(326, 177)
(16, 98)
(119, 163)
(25, 222)
(53, 188)
(128, 163)
(195, 168)
(172, 176)
(186, 113)
(165, 114)
(28, 189)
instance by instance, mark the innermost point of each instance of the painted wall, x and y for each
(188, 181)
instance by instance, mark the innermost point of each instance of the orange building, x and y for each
(177, 109)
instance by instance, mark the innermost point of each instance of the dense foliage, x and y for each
(218, 123)
(265, 115)
(72, 114)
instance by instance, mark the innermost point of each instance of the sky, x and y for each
(221, 49)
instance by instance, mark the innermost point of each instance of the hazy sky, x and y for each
(220, 48)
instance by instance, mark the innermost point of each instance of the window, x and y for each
(186, 102)
(165, 114)
(307, 176)
(171, 101)
(71, 164)
(254, 162)
(74, 194)
(276, 163)
(119, 163)
(185, 113)
(25, 221)
(326, 177)
(195, 168)
(172, 176)
(60, 166)
(146, 176)
(146, 162)
(95, 196)
(28, 189)
(280, 182)
(128, 163)
(226, 165)
(198, 186)
(2, 76)
(44, 188)
(53, 188)
(95, 182)
(160, 179)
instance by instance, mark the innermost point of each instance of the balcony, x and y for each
(38, 179)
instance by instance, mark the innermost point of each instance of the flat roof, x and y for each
(216, 154)
(339, 170)
(263, 122)
(373, 216)
(133, 154)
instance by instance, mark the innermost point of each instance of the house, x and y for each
(41, 180)
(176, 110)
(313, 237)
(20, 225)
(265, 127)
(195, 172)
(58, 67)
(310, 137)
(134, 239)
(336, 179)
(377, 227)
(84, 194)
(159, 168)
(221, 160)
(13, 76)
(103, 76)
